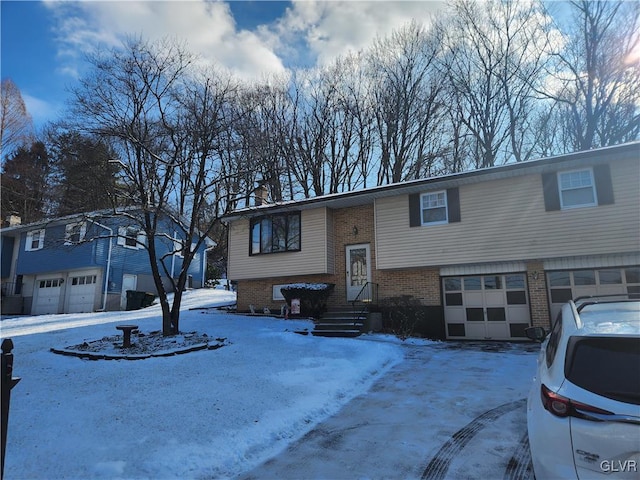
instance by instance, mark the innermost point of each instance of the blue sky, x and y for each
(44, 43)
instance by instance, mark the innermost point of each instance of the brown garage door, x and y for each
(483, 307)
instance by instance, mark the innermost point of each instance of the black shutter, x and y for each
(550, 190)
(453, 204)
(604, 187)
(415, 214)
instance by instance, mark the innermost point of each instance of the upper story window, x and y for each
(178, 247)
(35, 240)
(74, 233)
(577, 189)
(275, 233)
(434, 208)
(131, 237)
(584, 187)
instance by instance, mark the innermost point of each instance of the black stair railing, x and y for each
(366, 298)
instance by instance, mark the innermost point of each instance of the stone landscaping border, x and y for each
(125, 356)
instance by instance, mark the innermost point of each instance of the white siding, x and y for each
(313, 257)
(577, 263)
(505, 220)
(483, 269)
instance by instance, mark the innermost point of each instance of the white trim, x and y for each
(68, 231)
(483, 269)
(593, 188)
(277, 294)
(178, 247)
(29, 241)
(445, 206)
(123, 236)
(601, 261)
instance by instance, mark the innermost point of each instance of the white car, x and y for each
(583, 410)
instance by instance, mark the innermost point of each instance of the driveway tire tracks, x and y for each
(519, 466)
(440, 463)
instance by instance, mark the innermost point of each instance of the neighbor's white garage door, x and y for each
(570, 284)
(82, 290)
(47, 296)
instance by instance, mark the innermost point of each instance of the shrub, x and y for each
(405, 317)
(313, 297)
(401, 315)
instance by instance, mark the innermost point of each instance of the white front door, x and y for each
(129, 282)
(358, 271)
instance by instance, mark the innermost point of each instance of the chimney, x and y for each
(261, 194)
(13, 221)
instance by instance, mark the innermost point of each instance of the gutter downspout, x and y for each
(204, 263)
(106, 277)
(173, 256)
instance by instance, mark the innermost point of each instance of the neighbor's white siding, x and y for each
(314, 257)
(505, 220)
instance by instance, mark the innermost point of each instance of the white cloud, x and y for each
(208, 29)
(333, 28)
(40, 110)
(309, 32)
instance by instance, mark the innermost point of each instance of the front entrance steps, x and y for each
(341, 321)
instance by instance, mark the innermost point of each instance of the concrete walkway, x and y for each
(425, 419)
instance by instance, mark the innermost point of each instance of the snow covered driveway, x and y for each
(447, 411)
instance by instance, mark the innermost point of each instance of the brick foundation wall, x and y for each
(421, 283)
(259, 293)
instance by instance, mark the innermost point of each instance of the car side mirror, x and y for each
(537, 334)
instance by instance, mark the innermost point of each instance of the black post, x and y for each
(8, 382)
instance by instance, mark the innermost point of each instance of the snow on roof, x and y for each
(621, 318)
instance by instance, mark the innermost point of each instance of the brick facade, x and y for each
(538, 297)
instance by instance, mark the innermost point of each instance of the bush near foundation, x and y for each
(313, 297)
(404, 316)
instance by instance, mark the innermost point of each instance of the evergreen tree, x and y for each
(25, 176)
(85, 178)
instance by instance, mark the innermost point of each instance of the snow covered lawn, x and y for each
(211, 413)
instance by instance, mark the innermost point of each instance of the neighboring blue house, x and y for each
(86, 263)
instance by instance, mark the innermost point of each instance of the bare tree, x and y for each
(263, 141)
(165, 124)
(406, 92)
(350, 123)
(596, 74)
(16, 127)
(354, 89)
(495, 52)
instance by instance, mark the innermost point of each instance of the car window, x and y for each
(606, 366)
(554, 340)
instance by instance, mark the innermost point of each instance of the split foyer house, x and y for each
(498, 249)
(85, 263)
